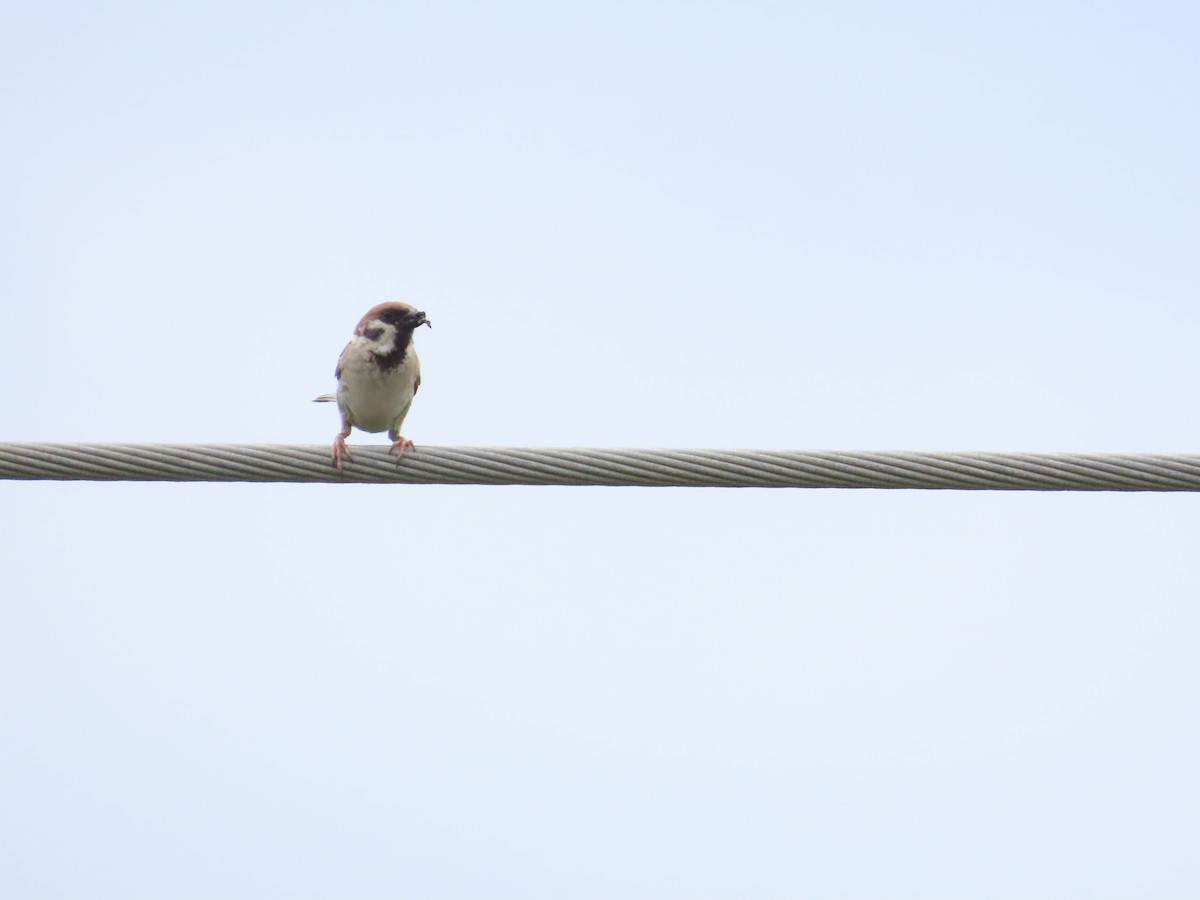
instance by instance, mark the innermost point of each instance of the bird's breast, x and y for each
(376, 398)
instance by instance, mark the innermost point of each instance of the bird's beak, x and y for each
(425, 321)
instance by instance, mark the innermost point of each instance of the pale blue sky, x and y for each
(858, 226)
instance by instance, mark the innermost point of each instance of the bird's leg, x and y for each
(340, 450)
(399, 444)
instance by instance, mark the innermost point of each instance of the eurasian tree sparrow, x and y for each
(378, 375)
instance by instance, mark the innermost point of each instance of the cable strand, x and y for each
(307, 463)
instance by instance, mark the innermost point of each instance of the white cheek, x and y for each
(386, 340)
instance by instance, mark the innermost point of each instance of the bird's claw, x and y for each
(340, 451)
(399, 446)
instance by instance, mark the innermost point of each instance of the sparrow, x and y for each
(378, 375)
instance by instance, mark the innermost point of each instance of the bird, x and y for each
(378, 375)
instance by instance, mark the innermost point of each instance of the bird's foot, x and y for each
(341, 451)
(399, 445)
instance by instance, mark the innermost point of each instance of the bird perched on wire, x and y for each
(378, 375)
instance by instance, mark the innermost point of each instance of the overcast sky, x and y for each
(868, 225)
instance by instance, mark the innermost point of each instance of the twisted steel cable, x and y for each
(591, 466)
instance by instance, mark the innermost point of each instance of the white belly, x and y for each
(377, 401)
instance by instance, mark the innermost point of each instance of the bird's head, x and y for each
(388, 324)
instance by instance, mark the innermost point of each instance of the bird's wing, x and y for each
(337, 373)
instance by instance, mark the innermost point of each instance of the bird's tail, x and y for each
(325, 398)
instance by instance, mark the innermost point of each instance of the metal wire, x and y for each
(590, 466)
